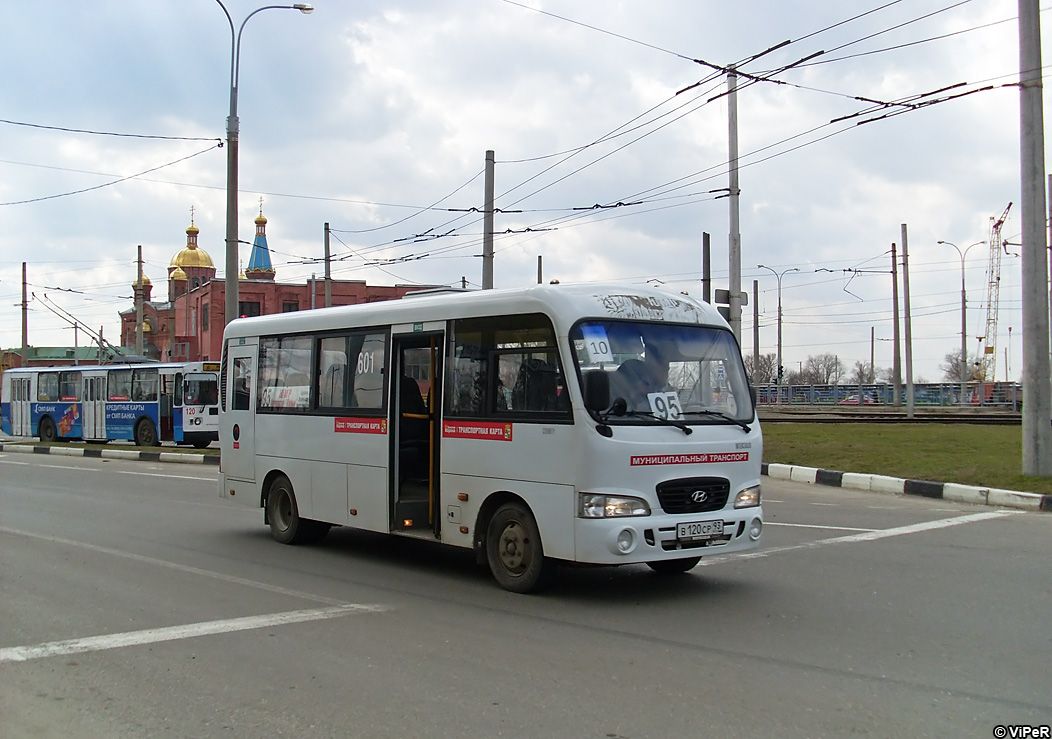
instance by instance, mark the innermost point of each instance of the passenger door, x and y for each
(21, 417)
(414, 439)
(94, 421)
(237, 427)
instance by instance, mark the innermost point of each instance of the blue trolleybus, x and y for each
(144, 403)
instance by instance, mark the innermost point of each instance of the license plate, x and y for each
(699, 530)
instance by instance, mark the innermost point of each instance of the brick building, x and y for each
(189, 325)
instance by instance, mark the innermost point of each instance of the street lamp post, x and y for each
(964, 316)
(778, 372)
(231, 154)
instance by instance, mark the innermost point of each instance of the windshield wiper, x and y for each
(667, 421)
(722, 416)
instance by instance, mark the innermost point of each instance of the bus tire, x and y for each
(145, 433)
(286, 525)
(514, 550)
(674, 566)
(47, 430)
(201, 443)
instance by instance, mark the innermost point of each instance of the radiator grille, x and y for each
(693, 494)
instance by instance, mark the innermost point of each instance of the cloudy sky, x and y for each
(375, 116)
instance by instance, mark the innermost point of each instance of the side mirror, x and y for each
(596, 390)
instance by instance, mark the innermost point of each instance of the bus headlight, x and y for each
(610, 506)
(748, 498)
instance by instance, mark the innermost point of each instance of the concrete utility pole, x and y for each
(487, 229)
(909, 323)
(138, 306)
(755, 329)
(706, 268)
(328, 269)
(25, 320)
(1037, 386)
(735, 250)
(896, 358)
(872, 344)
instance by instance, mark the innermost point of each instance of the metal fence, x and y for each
(977, 394)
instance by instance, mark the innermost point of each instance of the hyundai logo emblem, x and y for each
(699, 496)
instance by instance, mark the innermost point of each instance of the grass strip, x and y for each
(969, 454)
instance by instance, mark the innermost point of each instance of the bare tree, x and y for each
(767, 370)
(823, 369)
(953, 370)
(862, 374)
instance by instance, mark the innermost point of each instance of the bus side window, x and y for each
(242, 384)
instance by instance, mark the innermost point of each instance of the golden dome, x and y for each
(177, 274)
(145, 281)
(261, 220)
(192, 256)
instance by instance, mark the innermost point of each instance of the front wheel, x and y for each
(145, 433)
(514, 550)
(283, 513)
(674, 566)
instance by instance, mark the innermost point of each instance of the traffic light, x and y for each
(781, 373)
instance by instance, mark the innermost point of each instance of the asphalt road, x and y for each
(136, 603)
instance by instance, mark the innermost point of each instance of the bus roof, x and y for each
(565, 303)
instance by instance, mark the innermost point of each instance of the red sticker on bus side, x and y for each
(477, 430)
(360, 426)
(652, 459)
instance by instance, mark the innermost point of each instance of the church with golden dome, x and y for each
(188, 327)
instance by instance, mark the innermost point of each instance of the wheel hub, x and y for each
(514, 548)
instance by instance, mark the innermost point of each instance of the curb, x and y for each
(794, 473)
(126, 454)
(898, 486)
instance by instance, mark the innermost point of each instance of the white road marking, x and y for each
(181, 568)
(111, 471)
(816, 526)
(173, 633)
(864, 536)
(159, 474)
(50, 466)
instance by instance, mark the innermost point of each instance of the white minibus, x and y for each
(593, 424)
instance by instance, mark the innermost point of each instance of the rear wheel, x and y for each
(514, 550)
(283, 513)
(145, 433)
(674, 566)
(48, 432)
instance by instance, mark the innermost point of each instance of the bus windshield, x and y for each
(662, 371)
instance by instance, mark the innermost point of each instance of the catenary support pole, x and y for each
(138, 305)
(328, 269)
(755, 329)
(909, 323)
(735, 245)
(1037, 385)
(25, 320)
(487, 230)
(706, 268)
(896, 356)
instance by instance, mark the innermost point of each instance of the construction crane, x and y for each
(986, 357)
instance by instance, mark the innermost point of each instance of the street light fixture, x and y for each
(964, 321)
(778, 275)
(231, 154)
